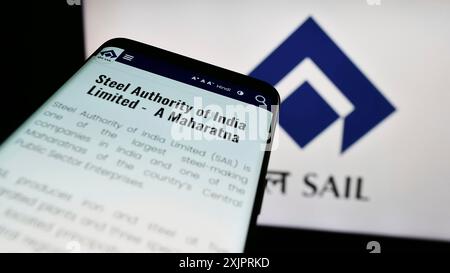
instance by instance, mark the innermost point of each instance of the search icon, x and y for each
(261, 99)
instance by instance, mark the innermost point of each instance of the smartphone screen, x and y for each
(137, 152)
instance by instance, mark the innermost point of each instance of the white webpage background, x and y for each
(401, 46)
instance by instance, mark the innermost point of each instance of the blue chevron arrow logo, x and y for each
(305, 114)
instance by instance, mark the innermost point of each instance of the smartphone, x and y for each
(141, 150)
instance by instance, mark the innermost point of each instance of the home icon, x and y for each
(108, 53)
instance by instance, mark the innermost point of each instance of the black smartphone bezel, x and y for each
(226, 76)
